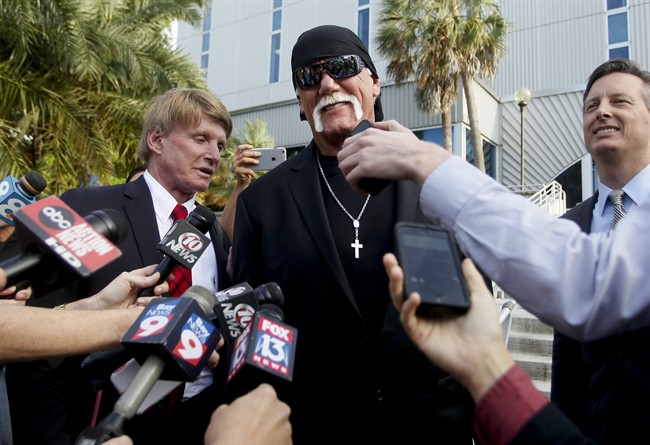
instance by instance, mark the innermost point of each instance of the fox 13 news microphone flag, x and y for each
(183, 244)
(236, 306)
(59, 246)
(172, 339)
(264, 352)
(18, 193)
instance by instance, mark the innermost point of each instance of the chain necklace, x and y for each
(355, 222)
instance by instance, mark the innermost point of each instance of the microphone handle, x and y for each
(126, 406)
(164, 267)
(131, 399)
(18, 267)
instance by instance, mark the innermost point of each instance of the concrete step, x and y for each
(530, 343)
(524, 321)
(536, 366)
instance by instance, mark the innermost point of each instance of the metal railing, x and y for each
(550, 197)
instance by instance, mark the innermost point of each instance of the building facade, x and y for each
(553, 45)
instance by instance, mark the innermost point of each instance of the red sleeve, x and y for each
(507, 406)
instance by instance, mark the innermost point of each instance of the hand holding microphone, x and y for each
(18, 193)
(173, 339)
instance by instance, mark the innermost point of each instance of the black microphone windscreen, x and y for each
(109, 222)
(202, 218)
(272, 310)
(269, 293)
(33, 182)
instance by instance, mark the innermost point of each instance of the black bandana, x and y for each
(327, 41)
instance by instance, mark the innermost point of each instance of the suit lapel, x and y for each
(139, 211)
(584, 213)
(309, 202)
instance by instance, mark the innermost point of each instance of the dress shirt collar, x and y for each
(637, 192)
(163, 201)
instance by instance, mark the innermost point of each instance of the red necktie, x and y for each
(182, 275)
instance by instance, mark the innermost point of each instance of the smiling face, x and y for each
(185, 160)
(617, 122)
(331, 110)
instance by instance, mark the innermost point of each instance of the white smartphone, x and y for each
(271, 158)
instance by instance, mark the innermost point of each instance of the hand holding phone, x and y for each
(370, 185)
(270, 158)
(430, 260)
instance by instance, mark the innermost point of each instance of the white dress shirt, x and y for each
(204, 271)
(586, 286)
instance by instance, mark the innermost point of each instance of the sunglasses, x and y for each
(338, 68)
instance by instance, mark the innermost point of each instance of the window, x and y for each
(618, 39)
(617, 28)
(363, 22)
(205, 39)
(276, 28)
(275, 58)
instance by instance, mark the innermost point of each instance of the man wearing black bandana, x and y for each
(357, 377)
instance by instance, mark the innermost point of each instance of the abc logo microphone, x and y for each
(59, 246)
(18, 193)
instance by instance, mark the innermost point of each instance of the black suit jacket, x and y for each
(550, 426)
(52, 401)
(603, 385)
(348, 376)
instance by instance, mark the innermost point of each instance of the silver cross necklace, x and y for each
(355, 221)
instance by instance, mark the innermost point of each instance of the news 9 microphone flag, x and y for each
(177, 330)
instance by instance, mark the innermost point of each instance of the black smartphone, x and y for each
(430, 259)
(371, 185)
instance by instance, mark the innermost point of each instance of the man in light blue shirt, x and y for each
(586, 286)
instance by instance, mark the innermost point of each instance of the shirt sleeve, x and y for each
(586, 286)
(507, 407)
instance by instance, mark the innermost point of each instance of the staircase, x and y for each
(530, 342)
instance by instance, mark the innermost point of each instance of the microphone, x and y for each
(173, 339)
(371, 185)
(183, 244)
(236, 306)
(264, 351)
(59, 246)
(18, 193)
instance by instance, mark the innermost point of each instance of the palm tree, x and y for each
(481, 45)
(417, 36)
(256, 134)
(75, 78)
(435, 42)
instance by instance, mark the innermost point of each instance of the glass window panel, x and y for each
(613, 4)
(207, 17)
(364, 2)
(623, 52)
(205, 45)
(277, 20)
(617, 28)
(204, 61)
(364, 25)
(277, 4)
(275, 58)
